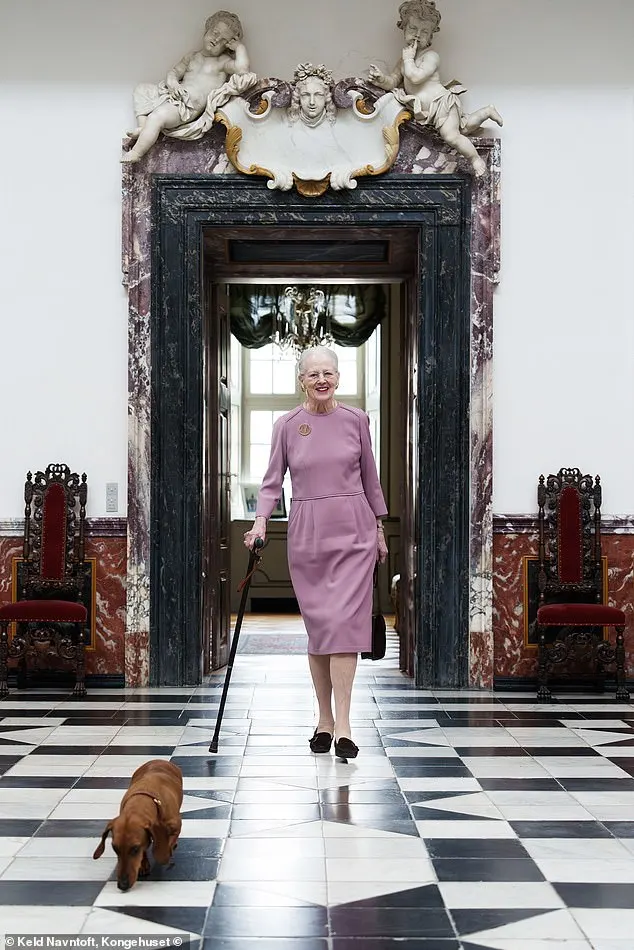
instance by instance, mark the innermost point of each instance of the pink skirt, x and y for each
(332, 550)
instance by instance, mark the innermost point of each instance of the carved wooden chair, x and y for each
(570, 579)
(50, 618)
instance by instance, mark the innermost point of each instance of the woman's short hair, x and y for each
(317, 351)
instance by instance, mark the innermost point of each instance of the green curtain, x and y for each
(354, 311)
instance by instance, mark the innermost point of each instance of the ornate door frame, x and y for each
(165, 210)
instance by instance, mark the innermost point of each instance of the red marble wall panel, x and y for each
(110, 554)
(511, 657)
(481, 658)
(9, 548)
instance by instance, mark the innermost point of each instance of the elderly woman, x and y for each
(335, 535)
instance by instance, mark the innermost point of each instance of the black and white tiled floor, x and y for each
(470, 820)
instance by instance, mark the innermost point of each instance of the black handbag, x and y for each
(378, 629)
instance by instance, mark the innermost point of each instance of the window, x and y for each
(373, 389)
(270, 389)
(235, 382)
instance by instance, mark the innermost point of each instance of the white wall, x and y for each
(562, 74)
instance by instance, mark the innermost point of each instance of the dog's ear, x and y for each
(101, 846)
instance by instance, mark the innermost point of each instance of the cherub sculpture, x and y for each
(422, 92)
(312, 100)
(183, 106)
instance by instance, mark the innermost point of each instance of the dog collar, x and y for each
(156, 801)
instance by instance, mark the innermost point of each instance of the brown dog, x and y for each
(149, 814)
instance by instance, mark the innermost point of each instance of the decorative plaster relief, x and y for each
(184, 105)
(309, 142)
(315, 135)
(415, 82)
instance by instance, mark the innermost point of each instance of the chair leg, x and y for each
(80, 686)
(4, 654)
(543, 693)
(600, 681)
(621, 690)
(24, 631)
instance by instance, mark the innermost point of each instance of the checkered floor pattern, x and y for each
(470, 820)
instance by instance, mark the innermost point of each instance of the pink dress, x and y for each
(332, 542)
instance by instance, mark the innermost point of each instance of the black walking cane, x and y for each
(254, 559)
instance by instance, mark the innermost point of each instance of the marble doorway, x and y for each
(166, 213)
(254, 258)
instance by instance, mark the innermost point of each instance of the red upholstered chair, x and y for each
(570, 578)
(49, 596)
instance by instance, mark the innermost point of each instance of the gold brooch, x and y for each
(305, 429)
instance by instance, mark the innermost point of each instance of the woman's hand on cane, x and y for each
(257, 531)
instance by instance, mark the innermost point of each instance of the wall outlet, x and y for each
(112, 496)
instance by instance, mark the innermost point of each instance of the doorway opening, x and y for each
(264, 385)
(443, 504)
(252, 381)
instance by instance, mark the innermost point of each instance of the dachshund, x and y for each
(149, 814)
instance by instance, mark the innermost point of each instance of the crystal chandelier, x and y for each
(305, 322)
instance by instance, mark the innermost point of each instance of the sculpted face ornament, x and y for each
(220, 35)
(312, 100)
(419, 20)
(312, 96)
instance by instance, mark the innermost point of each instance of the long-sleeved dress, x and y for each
(332, 539)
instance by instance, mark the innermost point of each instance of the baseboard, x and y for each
(57, 679)
(528, 524)
(94, 527)
(516, 684)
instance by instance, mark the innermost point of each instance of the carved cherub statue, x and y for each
(190, 89)
(312, 96)
(422, 92)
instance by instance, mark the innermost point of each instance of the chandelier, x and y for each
(305, 322)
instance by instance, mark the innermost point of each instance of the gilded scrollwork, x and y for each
(307, 138)
(215, 83)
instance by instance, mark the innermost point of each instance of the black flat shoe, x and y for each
(346, 749)
(320, 742)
